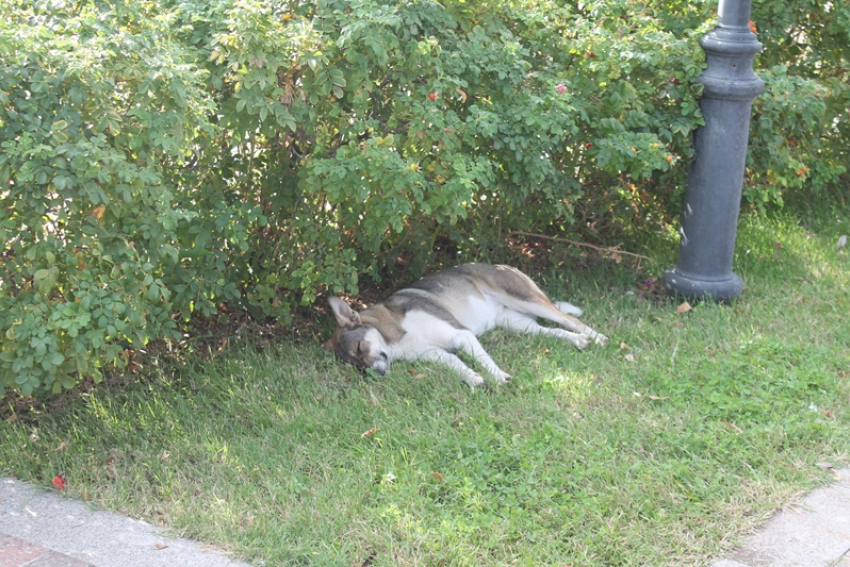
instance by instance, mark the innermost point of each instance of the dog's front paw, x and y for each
(502, 377)
(474, 380)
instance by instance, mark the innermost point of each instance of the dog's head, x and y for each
(356, 343)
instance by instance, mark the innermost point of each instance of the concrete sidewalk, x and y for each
(40, 528)
(814, 532)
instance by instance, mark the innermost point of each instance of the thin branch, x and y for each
(584, 244)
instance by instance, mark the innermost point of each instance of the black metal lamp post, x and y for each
(716, 177)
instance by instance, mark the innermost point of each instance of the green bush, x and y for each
(93, 119)
(161, 159)
(800, 137)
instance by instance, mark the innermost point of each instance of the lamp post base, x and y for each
(716, 176)
(696, 287)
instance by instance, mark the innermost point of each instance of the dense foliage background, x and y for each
(161, 159)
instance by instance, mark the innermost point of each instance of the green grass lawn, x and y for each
(663, 448)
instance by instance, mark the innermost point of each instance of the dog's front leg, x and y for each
(466, 340)
(444, 357)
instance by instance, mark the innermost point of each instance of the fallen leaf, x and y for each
(624, 346)
(160, 546)
(684, 308)
(842, 242)
(544, 351)
(630, 357)
(438, 476)
(831, 468)
(658, 398)
(369, 433)
(59, 482)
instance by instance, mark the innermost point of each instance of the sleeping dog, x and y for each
(445, 312)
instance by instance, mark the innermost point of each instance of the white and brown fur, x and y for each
(445, 312)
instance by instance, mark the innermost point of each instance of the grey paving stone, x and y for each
(813, 533)
(74, 531)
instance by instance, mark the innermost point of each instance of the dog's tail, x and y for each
(568, 308)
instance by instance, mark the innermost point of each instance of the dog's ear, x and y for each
(345, 315)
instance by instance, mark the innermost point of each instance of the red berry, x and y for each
(432, 96)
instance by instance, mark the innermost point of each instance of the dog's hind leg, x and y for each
(561, 313)
(523, 323)
(570, 309)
